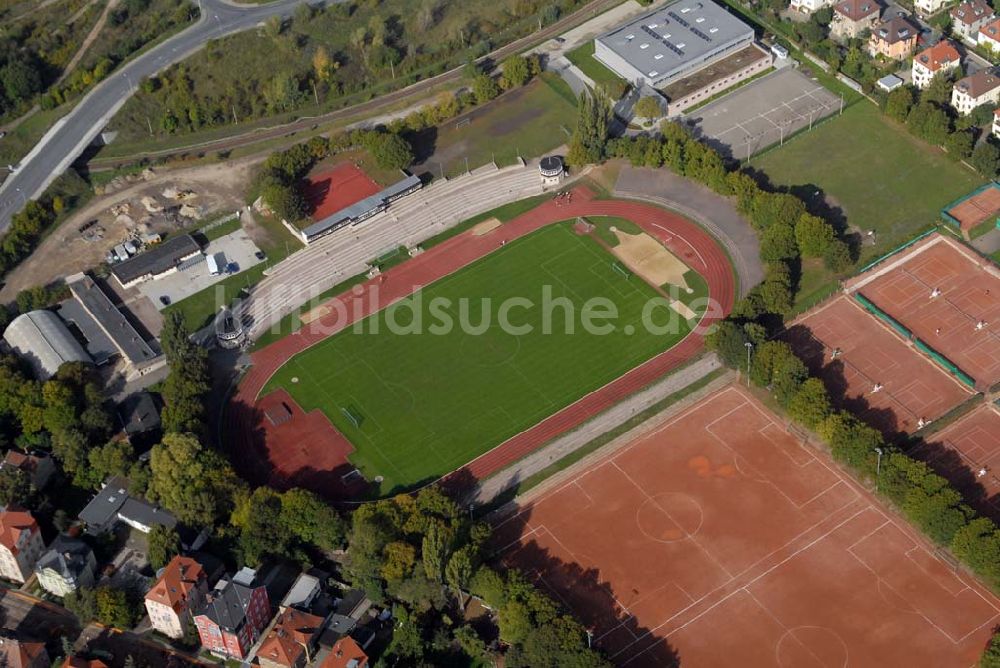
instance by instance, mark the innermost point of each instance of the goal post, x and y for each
(617, 267)
(352, 415)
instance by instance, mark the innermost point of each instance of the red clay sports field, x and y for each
(285, 454)
(720, 537)
(338, 188)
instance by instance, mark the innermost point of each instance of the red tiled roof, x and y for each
(12, 524)
(77, 662)
(343, 652)
(856, 10)
(179, 578)
(292, 629)
(941, 54)
(16, 653)
(971, 11)
(991, 30)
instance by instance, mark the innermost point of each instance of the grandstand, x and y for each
(339, 255)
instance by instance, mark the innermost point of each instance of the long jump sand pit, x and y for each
(912, 387)
(720, 537)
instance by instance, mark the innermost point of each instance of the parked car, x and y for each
(165, 300)
(260, 255)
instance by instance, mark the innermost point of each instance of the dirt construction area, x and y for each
(156, 202)
(721, 535)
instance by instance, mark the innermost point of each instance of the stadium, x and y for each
(348, 405)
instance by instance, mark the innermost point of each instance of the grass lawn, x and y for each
(429, 403)
(529, 122)
(882, 178)
(583, 58)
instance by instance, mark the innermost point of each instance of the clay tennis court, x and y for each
(336, 189)
(970, 293)
(977, 209)
(719, 535)
(913, 387)
(963, 450)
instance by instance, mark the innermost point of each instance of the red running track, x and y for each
(243, 424)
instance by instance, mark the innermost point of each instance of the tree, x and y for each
(389, 150)
(195, 483)
(811, 404)
(400, 557)
(813, 235)
(991, 655)
(591, 132)
(185, 388)
(939, 90)
(515, 72)
(959, 144)
(729, 341)
(282, 93)
(648, 107)
(986, 159)
(323, 65)
(458, 573)
(434, 551)
(164, 545)
(778, 242)
(898, 103)
(115, 458)
(15, 486)
(311, 520)
(115, 607)
(484, 88)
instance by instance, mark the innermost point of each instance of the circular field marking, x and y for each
(489, 350)
(819, 642)
(669, 517)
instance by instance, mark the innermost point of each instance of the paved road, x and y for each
(67, 139)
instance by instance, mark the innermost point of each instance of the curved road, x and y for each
(67, 139)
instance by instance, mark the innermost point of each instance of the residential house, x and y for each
(989, 36)
(68, 565)
(20, 544)
(980, 88)
(928, 7)
(291, 642)
(853, 17)
(968, 17)
(182, 588)
(895, 39)
(346, 653)
(941, 58)
(38, 467)
(139, 416)
(234, 615)
(20, 653)
(996, 123)
(808, 6)
(115, 504)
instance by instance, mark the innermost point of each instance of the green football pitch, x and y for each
(419, 405)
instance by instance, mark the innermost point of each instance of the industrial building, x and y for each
(162, 259)
(671, 42)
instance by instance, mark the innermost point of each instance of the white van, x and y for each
(216, 263)
(779, 51)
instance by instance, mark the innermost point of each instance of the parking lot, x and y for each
(240, 253)
(762, 113)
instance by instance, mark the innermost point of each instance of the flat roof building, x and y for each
(44, 341)
(359, 211)
(114, 504)
(160, 260)
(671, 41)
(104, 326)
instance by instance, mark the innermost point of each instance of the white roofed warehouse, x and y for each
(44, 340)
(671, 42)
